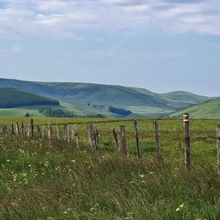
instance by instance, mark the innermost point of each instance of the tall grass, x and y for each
(57, 181)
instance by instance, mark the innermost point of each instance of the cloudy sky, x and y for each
(161, 45)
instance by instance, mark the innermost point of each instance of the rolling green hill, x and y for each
(209, 109)
(90, 99)
(12, 98)
(182, 98)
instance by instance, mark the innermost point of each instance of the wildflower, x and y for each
(8, 161)
(141, 176)
(178, 209)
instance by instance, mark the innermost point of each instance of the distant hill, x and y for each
(90, 99)
(209, 109)
(182, 98)
(12, 98)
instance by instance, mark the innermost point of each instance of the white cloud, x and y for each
(136, 8)
(27, 18)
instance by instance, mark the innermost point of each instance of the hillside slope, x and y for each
(89, 96)
(209, 109)
(182, 98)
(11, 98)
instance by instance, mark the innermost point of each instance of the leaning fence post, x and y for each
(115, 138)
(122, 143)
(137, 139)
(186, 139)
(218, 149)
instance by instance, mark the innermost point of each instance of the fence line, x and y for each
(70, 134)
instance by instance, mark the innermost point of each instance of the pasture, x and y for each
(55, 180)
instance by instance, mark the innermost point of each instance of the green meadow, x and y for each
(58, 181)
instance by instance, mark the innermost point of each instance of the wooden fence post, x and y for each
(65, 132)
(137, 139)
(75, 135)
(31, 128)
(115, 136)
(96, 135)
(17, 129)
(218, 149)
(186, 140)
(92, 137)
(12, 129)
(30, 132)
(22, 128)
(58, 132)
(122, 142)
(156, 138)
(49, 132)
(68, 134)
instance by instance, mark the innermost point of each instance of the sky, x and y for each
(160, 45)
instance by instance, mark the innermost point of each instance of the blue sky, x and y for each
(160, 45)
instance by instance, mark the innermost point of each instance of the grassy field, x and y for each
(57, 181)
